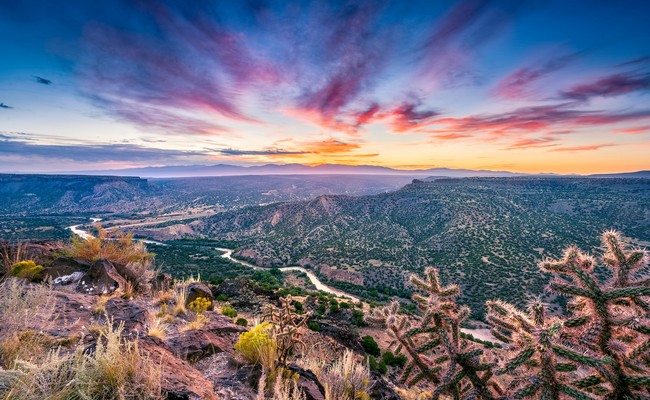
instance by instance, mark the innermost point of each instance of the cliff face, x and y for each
(72, 193)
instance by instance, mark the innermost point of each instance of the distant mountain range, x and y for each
(291, 169)
(324, 169)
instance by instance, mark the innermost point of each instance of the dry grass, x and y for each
(345, 379)
(130, 257)
(11, 255)
(164, 297)
(20, 307)
(116, 370)
(180, 297)
(196, 324)
(157, 328)
(100, 306)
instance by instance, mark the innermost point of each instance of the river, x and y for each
(483, 334)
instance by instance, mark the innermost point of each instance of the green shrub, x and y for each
(223, 297)
(344, 304)
(242, 322)
(228, 311)
(394, 360)
(27, 270)
(298, 306)
(321, 309)
(334, 306)
(357, 318)
(314, 326)
(370, 346)
(379, 367)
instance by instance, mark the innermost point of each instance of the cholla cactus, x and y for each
(609, 317)
(538, 344)
(433, 342)
(285, 326)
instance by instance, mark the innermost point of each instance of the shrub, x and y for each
(228, 311)
(370, 346)
(379, 367)
(200, 305)
(27, 270)
(357, 318)
(321, 309)
(157, 328)
(334, 305)
(298, 306)
(130, 257)
(314, 326)
(394, 360)
(223, 297)
(257, 342)
(242, 322)
(344, 304)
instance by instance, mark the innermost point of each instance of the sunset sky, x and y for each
(539, 86)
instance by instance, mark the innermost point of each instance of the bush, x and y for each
(228, 311)
(370, 346)
(252, 345)
(357, 318)
(334, 306)
(344, 304)
(394, 360)
(379, 367)
(241, 322)
(314, 326)
(223, 297)
(27, 270)
(298, 306)
(200, 305)
(321, 309)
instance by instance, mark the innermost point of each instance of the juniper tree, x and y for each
(609, 316)
(433, 344)
(541, 361)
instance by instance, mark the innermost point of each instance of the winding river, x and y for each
(483, 334)
(227, 254)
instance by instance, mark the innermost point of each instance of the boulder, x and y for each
(195, 345)
(65, 266)
(161, 282)
(220, 324)
(199, 289)
(180, 381)
(132, 313)
(308, 383)
(244, 296)
(100, 278)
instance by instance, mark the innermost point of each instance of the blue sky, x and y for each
(538, 86)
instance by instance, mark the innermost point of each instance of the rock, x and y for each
(244, 296)
(231, 381)
(65, 266)
(220, 324)
(342, 332)
(308, 383)
(161, 282)
(218, 335)
(381, 389)
(71, 315)
(180, 381)
(101, 278)
(199, 289)
(132, 313)
(195, 345)
(68, 279)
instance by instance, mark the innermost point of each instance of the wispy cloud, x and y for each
(269, 152)
(5, 106)
(13, 146)
(41, 80)
(583, 148)
(609, 86)
(528, 143)
(519, 83)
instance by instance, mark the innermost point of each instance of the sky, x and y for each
(524, 86)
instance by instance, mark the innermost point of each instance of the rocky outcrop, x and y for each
(244, 296)
(336, 274)
(196, 290)
(180, 381)
(133, 314)
(100, 278)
